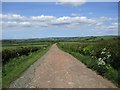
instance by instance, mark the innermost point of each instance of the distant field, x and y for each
(12, 44)
(18, 46)
(87, 39)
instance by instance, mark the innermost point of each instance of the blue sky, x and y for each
(50, 19)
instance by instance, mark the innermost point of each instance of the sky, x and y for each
(60, 0)
(23, 20)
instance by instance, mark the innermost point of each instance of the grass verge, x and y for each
(110, 74)
(17, 66)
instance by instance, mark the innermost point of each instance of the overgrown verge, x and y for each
(102, 57)
(22, 59)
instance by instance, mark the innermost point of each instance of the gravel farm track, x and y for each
(58, 69)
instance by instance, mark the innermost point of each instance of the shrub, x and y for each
(7, 54)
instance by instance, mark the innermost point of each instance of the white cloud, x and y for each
(0, 16)
(107, 27)
(46, 21)
(83, 19)
(42, 18)
(103, 18)
(16, 24)
(9, 24)
(99, 23)
(12, 17)
(25, 24)
(115, 23)
(112, 27)
(71, 2)
(62, 20)
(73, 21)
(67, 22)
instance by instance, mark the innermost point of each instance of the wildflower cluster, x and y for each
(104, 57)
(103, 61)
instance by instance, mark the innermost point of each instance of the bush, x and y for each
(8, 54)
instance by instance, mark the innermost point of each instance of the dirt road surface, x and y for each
(58, 69)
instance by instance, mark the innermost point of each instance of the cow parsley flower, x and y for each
(108, 56)
(104, 49)
(102, 52)
(100, 61)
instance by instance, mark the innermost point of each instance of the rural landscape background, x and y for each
(40, 39)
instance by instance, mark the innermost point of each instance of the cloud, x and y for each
(26, 24)
(42, 18)
(71, 2)
(45, 21)
(9, 24)
(16, 24)
(99, 23)
(107, 27)
(79, 22)
(62, 21)
(65, 22)
(12, 17)
(115, 23)
(103, 18)
(113, 29)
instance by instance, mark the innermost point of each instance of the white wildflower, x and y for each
(101, 62)
(104, 49)
(108, 66)
(99, 59)
(102, 52)
(92, 56)
(108, 56)
(104, 58)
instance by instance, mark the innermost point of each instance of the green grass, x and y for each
(17, 66)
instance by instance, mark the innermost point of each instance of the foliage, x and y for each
(8, 54)
(102, 56)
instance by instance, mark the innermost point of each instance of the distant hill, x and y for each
(61, 39)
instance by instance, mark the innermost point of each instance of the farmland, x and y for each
(101, 54)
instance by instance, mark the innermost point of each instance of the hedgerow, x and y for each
(105, 56)
(8, 54)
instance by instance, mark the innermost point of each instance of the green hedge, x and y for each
(8, 54)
